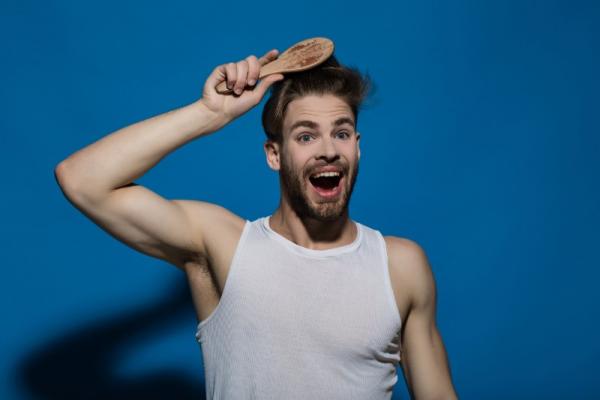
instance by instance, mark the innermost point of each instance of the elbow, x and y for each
(449, 394)
(59, 172)
(68, 183)
(62, 178)
(64, 183)
(77, 186)
(436, 393)
(440, 396)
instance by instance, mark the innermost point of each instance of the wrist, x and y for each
(212, 121)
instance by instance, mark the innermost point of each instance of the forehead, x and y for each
(322, 109)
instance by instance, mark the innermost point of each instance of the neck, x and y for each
(310, 232)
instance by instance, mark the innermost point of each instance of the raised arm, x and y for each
(99, 179)
(424, 359)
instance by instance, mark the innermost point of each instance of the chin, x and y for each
(327, 211)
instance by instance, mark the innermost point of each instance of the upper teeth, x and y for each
(326, 174)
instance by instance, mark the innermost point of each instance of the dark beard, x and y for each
(294, 188)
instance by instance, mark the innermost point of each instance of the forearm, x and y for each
(128, 153)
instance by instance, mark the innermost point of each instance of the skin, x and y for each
(200, 238)
(325, 222)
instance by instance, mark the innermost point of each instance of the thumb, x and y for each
(216, 76)
(266, 82)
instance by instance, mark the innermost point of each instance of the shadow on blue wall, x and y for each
(80, 364)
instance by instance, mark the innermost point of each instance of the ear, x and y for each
(358, 143)
(273, 154)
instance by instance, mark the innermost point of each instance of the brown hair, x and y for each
(330, 77)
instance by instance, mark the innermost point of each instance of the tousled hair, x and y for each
(330, 77)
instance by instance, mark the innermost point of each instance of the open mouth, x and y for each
(327, 184)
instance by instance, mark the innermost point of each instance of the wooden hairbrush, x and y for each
(302, 56)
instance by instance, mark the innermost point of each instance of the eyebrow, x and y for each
(313, 125)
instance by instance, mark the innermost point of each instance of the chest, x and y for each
(334, 308)
(318, 301)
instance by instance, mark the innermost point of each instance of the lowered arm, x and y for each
(424, 359)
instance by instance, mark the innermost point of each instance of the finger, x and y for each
(265, 83)
(216, 76)
(242, 77)
(268, 57)
(231, 72)
(253, 70)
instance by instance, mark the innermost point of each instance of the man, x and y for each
(305, 303)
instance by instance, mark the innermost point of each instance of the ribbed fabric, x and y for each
(297, 323)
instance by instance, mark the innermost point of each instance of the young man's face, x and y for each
(318, 160)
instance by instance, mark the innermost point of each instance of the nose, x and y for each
(328, 150)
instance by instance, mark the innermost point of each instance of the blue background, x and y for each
(480, 143)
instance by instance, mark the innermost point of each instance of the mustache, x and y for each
(315, 168)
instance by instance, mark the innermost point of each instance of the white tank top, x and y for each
(298, 323)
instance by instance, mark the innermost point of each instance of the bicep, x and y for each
(424, 359)
(146, 222)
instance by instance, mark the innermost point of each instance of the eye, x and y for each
(305, 137)
(342, 134)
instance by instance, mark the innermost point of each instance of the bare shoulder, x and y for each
(405, 253)
(409, 266)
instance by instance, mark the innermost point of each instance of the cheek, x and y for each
(351, 154)
(292, 166)
(298, 160)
